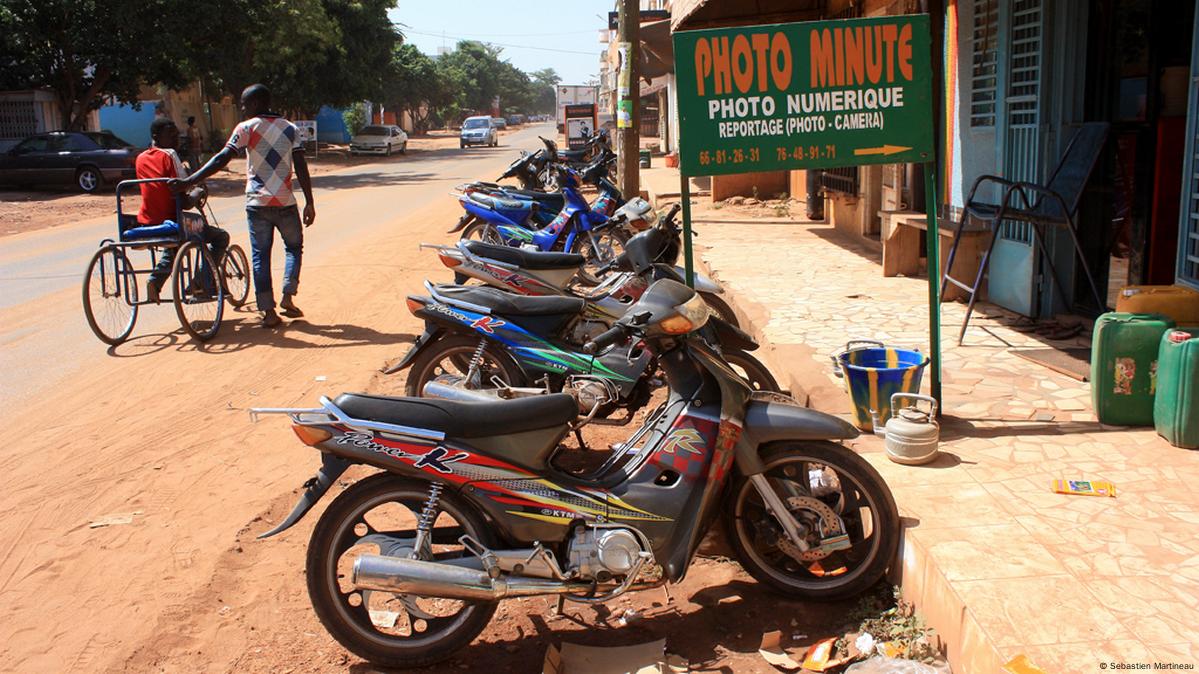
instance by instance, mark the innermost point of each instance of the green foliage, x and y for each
(309, 52)
(87, 50)
(888, 618)
(354, 117)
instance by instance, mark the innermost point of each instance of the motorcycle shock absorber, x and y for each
(425, 520)
(473, 373)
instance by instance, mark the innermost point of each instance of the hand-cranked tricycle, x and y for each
(199, 286)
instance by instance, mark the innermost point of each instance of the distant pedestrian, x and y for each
(272, 147)
(191, 145)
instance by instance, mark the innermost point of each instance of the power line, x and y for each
(501, 44)
(565, 32)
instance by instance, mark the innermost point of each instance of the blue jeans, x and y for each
(217, 240)
(264, 220)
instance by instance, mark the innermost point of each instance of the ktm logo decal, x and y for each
(686, 439)
(488, 324)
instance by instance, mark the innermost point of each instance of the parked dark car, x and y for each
(86, 159)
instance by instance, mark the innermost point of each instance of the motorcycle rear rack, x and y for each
(328, 413)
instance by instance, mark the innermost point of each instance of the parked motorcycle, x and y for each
(407, 566)
(648, 256)
(577, 228)
(481, 341)
(529, 208)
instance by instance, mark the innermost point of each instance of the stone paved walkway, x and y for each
(997, 563)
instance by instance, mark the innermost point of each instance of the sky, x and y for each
(534, 34)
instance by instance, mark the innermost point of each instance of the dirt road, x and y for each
(158, 428)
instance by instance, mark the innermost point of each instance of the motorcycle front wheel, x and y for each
(598, 249)
(378, 515)
(821, 483)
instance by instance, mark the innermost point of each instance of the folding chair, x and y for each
(1054, 204)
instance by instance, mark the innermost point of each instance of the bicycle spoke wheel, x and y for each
(235, 275)
(110, 295)
(199, 297)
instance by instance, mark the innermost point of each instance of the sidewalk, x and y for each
(997, 563)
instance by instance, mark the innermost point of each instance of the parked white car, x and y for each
(379, 139)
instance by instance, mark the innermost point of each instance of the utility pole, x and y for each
(628, 99)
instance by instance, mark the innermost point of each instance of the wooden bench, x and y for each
(902, 249)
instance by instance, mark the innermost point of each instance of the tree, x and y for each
(545, 89)
(89, 50)
(309, 52)
(476, 67)
(414, 83)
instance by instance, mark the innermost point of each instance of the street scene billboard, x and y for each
(805, 95)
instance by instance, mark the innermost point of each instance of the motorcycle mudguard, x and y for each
(465, 220)
(422, 342)
(331, 468)
(731, 336)
(702, 283)
(770, 421)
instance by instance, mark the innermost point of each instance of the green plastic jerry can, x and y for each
(1176, 407)
(1124, 366)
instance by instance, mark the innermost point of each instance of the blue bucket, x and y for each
(873, 374)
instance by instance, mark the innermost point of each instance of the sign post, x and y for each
(810, 95)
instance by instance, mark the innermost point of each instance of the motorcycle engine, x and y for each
(600, 553)
(584, 331)
(591, 391)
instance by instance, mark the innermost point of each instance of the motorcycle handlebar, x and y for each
(606, 338)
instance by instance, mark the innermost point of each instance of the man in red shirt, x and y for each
(161, 160)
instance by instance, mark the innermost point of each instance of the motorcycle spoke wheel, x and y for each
(379, 516)
(448, 362)
(607, 245)
(816, 479)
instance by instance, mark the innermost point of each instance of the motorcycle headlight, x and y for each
(691, 316)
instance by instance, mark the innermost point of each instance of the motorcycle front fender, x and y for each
(773, 421)
(702, 283)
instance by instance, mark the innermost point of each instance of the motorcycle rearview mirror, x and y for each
(641, 318)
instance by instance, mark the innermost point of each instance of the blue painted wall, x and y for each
(127, 123)
(330, 126)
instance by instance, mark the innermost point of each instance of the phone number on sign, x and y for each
(753, 154)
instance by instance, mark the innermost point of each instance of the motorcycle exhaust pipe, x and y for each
(435, 389)
(432, 579)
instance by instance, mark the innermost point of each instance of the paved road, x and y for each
(158, 427)
(43, 334)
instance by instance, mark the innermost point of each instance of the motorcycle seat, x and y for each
(498, 203)
(526, 259)
(509, 304)
(463, 419)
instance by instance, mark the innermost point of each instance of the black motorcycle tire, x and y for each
(753, 370)
(722, 308)
(419, 372)
(484, 231)
(885, 522)
(384, 650)
(582, 246)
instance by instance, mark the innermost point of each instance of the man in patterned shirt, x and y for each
(272, 146)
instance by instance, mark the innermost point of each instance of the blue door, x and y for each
(1188, 232)
(1015, 262)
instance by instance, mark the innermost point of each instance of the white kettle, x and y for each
(912, 434)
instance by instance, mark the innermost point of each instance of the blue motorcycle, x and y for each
(579, 227)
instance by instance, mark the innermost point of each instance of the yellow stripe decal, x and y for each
(907, 379)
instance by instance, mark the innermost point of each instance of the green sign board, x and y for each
(804, 95)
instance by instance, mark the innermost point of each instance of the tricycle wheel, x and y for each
(110, 295)
(199, 297)
(235, 275)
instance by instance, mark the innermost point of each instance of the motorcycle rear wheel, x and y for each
(484, 231)
(436, 628)
(861, 499)
(451, 355)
